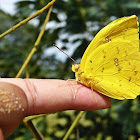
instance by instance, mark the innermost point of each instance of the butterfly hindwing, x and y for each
(114, 69)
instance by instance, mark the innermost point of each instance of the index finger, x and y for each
(49, 96)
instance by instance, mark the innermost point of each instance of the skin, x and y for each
(42, 96)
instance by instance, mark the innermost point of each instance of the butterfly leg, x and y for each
(94, 95)
(74, 91)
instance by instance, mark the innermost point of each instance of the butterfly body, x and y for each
(111, 63)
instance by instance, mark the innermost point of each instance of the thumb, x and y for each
(13, 107)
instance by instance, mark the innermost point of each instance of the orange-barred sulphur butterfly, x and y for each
(111, 63)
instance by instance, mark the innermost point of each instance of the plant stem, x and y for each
(73, 125)
(28, 120)
(35, 45)
(29, 124)
(28, 19)
(27, 71)
(36, 133)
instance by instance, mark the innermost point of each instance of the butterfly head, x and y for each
(75, 67)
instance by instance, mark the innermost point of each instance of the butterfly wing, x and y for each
(115, 71)
(112, 60)
(125, 28)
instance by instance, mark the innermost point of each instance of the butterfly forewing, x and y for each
(123, 28)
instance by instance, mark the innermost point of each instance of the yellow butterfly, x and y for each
(111, 63)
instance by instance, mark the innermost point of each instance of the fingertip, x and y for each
(87, 100)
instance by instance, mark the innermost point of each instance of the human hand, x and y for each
(24, 97)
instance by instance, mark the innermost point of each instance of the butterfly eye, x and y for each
(75, 67)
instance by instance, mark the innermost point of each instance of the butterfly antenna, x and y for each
(65, 54)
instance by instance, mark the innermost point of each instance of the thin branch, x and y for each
(35, 45)
(29, 124)
(36, 133)
(28, 120)
(28, 19)
(27, 71)
(73, 125)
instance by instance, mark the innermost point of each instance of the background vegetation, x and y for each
(72, 25)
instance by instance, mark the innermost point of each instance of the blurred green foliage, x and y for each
(72, 26)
